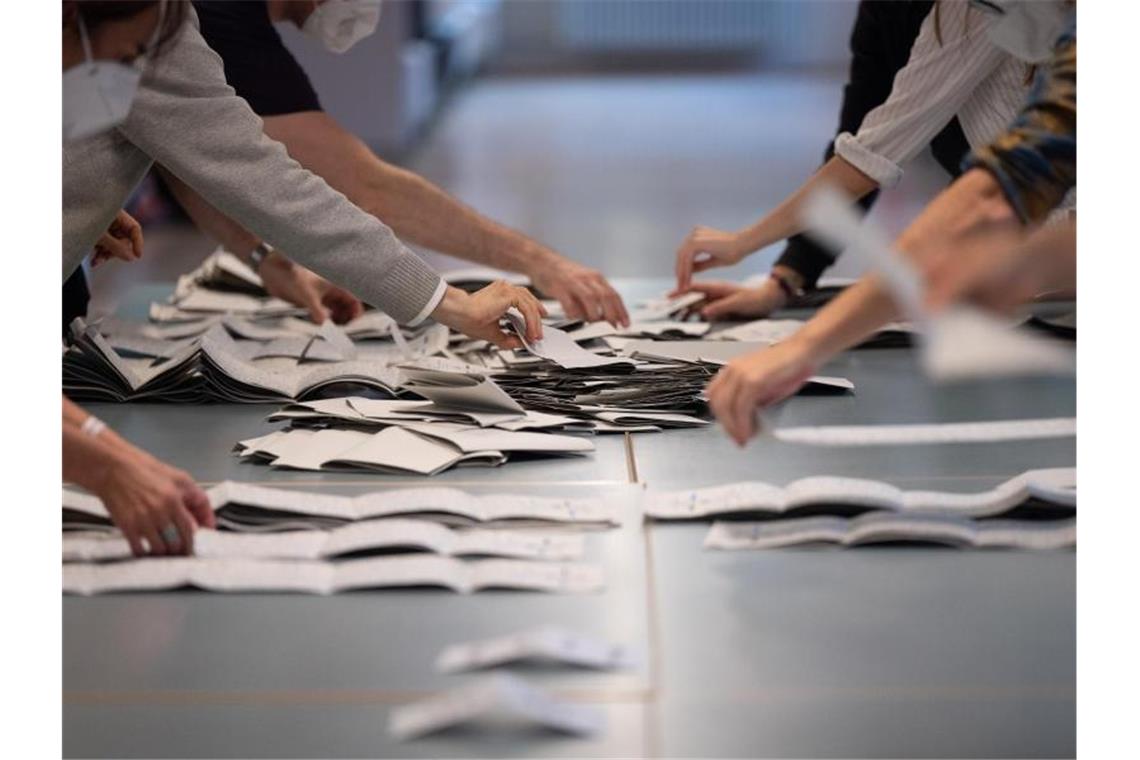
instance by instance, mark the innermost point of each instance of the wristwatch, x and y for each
(790, 290)
(259, 254)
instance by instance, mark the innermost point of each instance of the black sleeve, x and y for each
(881, 40)
(76, 296)
(257, 64)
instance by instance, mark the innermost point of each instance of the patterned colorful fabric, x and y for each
(1035, 161)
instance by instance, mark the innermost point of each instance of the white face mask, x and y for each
(97, 95)
(340, 24)
(1026, 30)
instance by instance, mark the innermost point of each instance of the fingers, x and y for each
(198, 503)
(613, 307)
(310, 299)
(119, 248)
(344, 306)
(684, 266)
(743, 413)
(136, 236)
(134, 538)
(150, 527)
(186, 528)
(724, 307)
(532, 312)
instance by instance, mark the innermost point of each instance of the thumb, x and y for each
(311, 300)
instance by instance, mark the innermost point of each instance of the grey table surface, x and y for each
(810, 652)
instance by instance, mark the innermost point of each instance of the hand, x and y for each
(122, 240)
(146, 498)
(478, 314)
(705, 248)
(583, 292)
(757, 380)
(727, 300)
(297, 285)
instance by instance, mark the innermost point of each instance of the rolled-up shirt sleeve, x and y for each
(189, 120)
(1035, 161)
(939, 77)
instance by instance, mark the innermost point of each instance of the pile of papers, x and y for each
(271, 539)
(1034, 510)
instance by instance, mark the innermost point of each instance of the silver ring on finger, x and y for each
(170, 534)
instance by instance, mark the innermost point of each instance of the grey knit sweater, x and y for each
(186, 118)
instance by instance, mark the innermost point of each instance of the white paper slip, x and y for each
(658, 309)
(372, 535)
(880, 528)
(947, 432)
(560, 348)
(761, 331)
(546, 643)
(1055, 487)
(322, 577)
(502, 701)
(459, 390)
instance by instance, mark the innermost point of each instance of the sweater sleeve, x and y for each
(939, 77)
(1035, 161)
(189, 120)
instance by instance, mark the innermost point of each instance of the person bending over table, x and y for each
(1010, 186)
(156, 506)
(262, 71)
(955, 70)
(181, 111)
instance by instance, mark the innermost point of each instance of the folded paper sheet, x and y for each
(1057, 486)
(547, 643)
(322, 577)
(354, 538)
(886, 527)
(947, 432)
(243, 505)
(496, 699)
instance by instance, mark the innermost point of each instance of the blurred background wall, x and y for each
(605, 128)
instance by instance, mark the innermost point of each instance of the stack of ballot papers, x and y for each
(272, 539)
(1036, 509)
(246, 508)
(215, 367)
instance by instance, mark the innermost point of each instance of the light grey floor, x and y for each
(788, 653)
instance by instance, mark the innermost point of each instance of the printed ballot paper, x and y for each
(1048, 491)
(350, 539)
(947, 432)
(885, 528)
(246, 507)
(546, 643)
(558, 347)
(322, 577)
(502, 701)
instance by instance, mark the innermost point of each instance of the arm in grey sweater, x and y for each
(188, 119)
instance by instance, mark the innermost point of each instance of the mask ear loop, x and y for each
(84, 40)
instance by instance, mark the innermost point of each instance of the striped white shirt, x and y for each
(964, 75)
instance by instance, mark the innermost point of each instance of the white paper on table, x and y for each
(95, 546)
(658, 309)
(560, 348)
(469, 439)
(477, 392)
(880, 527)
(322, 577)
(547, 643)
(948, 432)
(1055, 486)
(497, 698)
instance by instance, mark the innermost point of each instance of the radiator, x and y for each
(681, 25)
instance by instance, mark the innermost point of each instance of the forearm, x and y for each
(231, 235)
(414, 208)
(784, 221)
(973, 202)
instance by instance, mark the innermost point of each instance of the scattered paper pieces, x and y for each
(494, 700)
(560, 348)
(546, 643)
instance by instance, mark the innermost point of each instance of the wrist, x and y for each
(451, 307)
(262, 253)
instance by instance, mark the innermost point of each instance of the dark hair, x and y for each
(98, 12)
